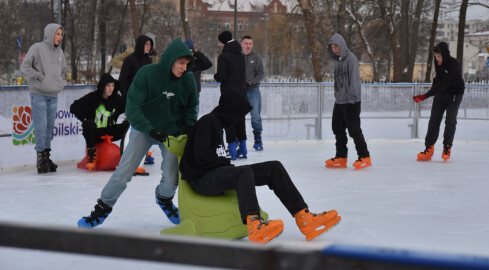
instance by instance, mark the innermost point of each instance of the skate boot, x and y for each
(427, 153)
(92, 158)
(241, 151)
(149, 160)
(336, 162)
(97, 216)
(170, 210)
(362, 162)
(42, 164)
(447, 150)
(258, 142)
(52, 165)
(233, 153)
(262, 232)
(313, 225)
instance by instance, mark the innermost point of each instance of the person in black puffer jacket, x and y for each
(448, 89)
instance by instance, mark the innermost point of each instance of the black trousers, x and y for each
(442, 103)
(236, 132)
(243, 179)
(347, 116)
(92, 135)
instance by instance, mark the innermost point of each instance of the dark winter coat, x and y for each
(133, 63)
(448, 80)
(231, 68)
(201, 62)
(205, 150)
(86, 108)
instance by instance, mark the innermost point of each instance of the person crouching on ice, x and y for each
(98, 111)
(209, 172)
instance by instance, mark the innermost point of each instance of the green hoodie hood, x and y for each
(159, 100)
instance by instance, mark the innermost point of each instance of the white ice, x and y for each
(431, 206)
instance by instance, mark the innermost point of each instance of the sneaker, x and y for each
(447, 150)
(258, 146)
(149, 160)
(170, 210)
(336, 162)
(97, 216)
(233, 153)
(92, 158)
(313, 225)
(241, 151)
(362, 162)
(427, 153)
(263, 232)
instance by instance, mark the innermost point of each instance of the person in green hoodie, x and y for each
(160, 102)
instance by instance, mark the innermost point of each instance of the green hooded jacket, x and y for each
(159, 100)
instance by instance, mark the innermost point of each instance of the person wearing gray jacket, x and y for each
(347, 107)
(45, 67)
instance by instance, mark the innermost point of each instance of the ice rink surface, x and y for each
(431, 206)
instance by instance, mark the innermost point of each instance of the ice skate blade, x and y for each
(264, 243)
(335, 166)
(363, 166)
(325, 230)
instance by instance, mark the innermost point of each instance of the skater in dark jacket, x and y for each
(209, 172)
(231, 73)
(448, 90)
(98, 111)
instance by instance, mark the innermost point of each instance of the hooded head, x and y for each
(177, 49)
(190, 45)
(340, 41)
(140, 43)
(441, 48)
(104, 80)
(50, 31)
(233, 106)
(225, 37)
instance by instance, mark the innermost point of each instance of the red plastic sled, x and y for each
(108, 155)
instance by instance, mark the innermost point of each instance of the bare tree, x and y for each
(134, 19)
(461, 31)
(183, 19)
(434, 25)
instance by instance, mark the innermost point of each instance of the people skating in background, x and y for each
(254, 74)
(118, 60)
(98, 111)
(347, 107)
(209, 172)
(155, 114)
(448, 90)
(231, 73)
(45, 67)
(201, 63)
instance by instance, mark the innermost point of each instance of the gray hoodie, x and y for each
(254, 70)
(45, 65)
(347, 87)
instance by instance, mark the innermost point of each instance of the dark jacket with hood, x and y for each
(94, 107)
(347, 87)
(231, 68)
(205, 150)
(159, 100)
(45, 65)
(133, 63)
(448, 80)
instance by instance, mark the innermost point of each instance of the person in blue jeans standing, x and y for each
(254, 74)
(161, 102)
(45, 67)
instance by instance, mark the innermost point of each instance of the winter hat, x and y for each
(225, 37)
(190, 45)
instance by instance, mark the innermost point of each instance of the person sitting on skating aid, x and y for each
(98, 111)
(448, 89)
(209, 172)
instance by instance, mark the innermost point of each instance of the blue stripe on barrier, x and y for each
(408, 257)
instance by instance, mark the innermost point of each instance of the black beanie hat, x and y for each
(225, 36)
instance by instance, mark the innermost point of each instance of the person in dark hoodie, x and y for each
(98, 111)
(161, 102)
(448, 90)
(209, 172)
(45, 67)
(231, 73)
(139, 58)
(347, 107)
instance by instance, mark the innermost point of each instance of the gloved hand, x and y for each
(88, 124)
(188, 130)
(419, 98)
(159, 136)
(112, 120)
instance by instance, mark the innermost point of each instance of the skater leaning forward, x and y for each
(209, 172)
(448, 90)
(347, 107)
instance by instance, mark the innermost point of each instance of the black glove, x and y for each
(112, 120)
(88, 124)
(157, 135)
(188, 130)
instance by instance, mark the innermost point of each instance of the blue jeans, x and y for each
(254, 97)
(43, 114)
(138, 145)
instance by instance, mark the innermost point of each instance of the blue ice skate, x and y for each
(97, 216)
(170, 210)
